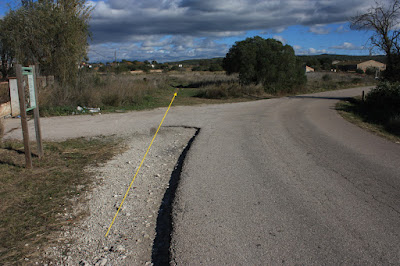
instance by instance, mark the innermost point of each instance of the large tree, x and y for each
(52, 33)
(265, 61)
(384, 20)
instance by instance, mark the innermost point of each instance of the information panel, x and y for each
(31, 101)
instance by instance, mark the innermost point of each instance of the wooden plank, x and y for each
(36, 115)
(15, 109)
(24, 122)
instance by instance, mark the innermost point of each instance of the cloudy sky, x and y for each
(170, 30)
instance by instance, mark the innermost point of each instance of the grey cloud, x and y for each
(189, 22)
(211, 18)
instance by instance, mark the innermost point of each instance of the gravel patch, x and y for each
(131, 238)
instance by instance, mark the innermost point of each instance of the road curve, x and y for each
(280, 181)
(288, 181)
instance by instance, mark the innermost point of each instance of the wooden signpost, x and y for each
(27, 93)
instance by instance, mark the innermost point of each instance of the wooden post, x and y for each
(363, 96)
(24, 122)
(36, 114)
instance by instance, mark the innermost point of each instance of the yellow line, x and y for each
(144, 157)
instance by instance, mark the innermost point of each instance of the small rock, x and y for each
(105, 248)
(120, 248)
(101, 262)
(148, 263)
(83, 263)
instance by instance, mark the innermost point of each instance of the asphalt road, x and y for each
(281, 181)
(288, 181)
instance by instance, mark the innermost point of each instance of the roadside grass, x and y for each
(38, 202)
(326, 81)
(125, 92)
(352, 110)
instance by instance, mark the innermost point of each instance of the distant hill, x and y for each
(303, 58)
(198, 62)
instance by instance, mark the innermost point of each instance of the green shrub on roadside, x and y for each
(383, 105)
(359, 71)
(326, 77)
(356, 80)
(370, 71)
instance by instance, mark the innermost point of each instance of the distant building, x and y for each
(309, 69)
(347, 66)
(156, 71)
(354, 65)
(371, 64)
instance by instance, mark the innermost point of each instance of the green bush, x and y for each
(383, 105)
(370, 71)
(356, 80)
(326, 77)
(359, 71)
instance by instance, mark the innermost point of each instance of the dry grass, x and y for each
(323, 81)
(102, 91)
(113, 92)
(229, 90)
(128, 92)
(34, 202)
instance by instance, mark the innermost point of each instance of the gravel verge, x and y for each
(131, 238)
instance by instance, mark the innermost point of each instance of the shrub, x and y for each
(393, 125)
(383, 105)
(370, 71)
(326, 77)
(356, 80)
(359, 71)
